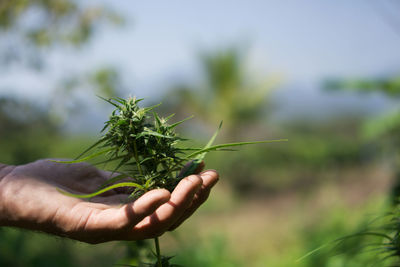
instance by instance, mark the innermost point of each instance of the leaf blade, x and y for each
(108, 188)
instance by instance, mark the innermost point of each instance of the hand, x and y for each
(29, 199)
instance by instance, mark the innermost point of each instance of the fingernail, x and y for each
(209, 172)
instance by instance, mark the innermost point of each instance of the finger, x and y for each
(129, 214)
(210, 178)
(167, 214)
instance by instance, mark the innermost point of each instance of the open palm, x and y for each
(29, 199)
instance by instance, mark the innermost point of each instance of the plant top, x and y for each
(146, 149)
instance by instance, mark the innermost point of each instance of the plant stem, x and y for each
(158, 253)
(137, 158)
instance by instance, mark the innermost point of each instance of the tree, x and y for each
(228, 92)
(31, 30)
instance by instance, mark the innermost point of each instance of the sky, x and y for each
(302, 42)
(305, 41)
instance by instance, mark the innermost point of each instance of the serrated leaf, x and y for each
(90, 148)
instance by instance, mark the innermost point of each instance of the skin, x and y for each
(29, 199)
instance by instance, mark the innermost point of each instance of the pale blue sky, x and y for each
(303, 40)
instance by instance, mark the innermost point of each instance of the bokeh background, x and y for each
(324, 74)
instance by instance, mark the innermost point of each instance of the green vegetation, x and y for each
(272, 206)
(146, 152)
(378, 238)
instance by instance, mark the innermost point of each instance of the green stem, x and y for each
(169, 172)
(137, 158)
(158, 253)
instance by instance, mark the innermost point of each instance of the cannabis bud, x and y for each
(144, 144)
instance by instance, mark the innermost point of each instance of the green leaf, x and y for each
(169, 117)
(113, 180)
(127, 184)
(150, 132)
(151, 108)
(86, 158)
(119, 100)
(157, 119)
(109, 101)
(180, 122)
(210, 142)
(109, 160)
(383, 125)
(123, 161)
(212, 148)
(90, 148)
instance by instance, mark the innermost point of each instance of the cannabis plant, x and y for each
(147, 152)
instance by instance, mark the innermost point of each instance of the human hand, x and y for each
(29, 199)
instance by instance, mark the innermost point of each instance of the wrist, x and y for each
(2, 174)
(4, 171)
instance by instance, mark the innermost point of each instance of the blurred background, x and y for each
(324, 74)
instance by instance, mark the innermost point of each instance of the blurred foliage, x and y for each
(226, 93)
(244, 102)
(107, 81)
(388, 85)
(334, 252)
(26, 132)
(49, 23)
(25, 248)
(383, 130)
(315, 151)
(301, 163)
(214, 252)
(229, 93)
(69, 98)
(385, 126)
(31, 30)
